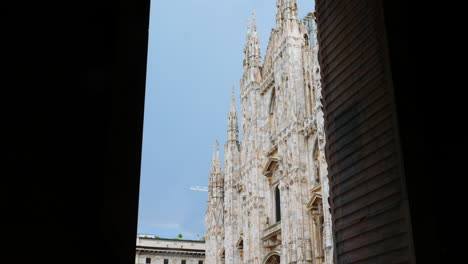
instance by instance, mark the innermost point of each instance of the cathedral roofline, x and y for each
(151, 237)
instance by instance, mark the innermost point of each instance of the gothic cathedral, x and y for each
(270, 204)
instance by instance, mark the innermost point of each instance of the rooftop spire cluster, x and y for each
(252, 45)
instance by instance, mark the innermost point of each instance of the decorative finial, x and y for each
(254, 21)
(212, 153)
(233, 99)
(217, 161)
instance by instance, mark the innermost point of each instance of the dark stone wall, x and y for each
(76, 83)
(363, 55)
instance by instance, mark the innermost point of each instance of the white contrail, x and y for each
(199, 188)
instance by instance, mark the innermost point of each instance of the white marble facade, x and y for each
(269, 204)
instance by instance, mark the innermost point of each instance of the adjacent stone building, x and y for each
(270, 203)
(152, 250)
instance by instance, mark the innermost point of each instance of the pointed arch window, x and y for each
(277, 204)
(240, 247)
(223, 256)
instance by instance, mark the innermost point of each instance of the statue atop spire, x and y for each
(217, 159)
(248, 29)
(213, 157)
(233, 99)
(254, 21)
(212, 153)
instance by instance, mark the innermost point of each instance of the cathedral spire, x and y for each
(212, 157)
(252, 57)
(233, 130)
(248, 30)
(216, 175)
(256, 44)
(212, 154)
(233, 99)
(217, 160)
(252, 45)
(254, 22)
(211, 182)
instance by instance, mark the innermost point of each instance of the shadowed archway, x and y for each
(272, 258)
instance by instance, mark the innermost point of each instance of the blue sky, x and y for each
(194, 57)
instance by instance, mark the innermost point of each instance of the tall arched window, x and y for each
(319, 223)
(271, 113)
(277, 205)
(316, 163)
(316, 210)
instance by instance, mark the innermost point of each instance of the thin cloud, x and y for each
(199, 188)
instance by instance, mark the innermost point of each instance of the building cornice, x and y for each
(173, 239)
(167, 250)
